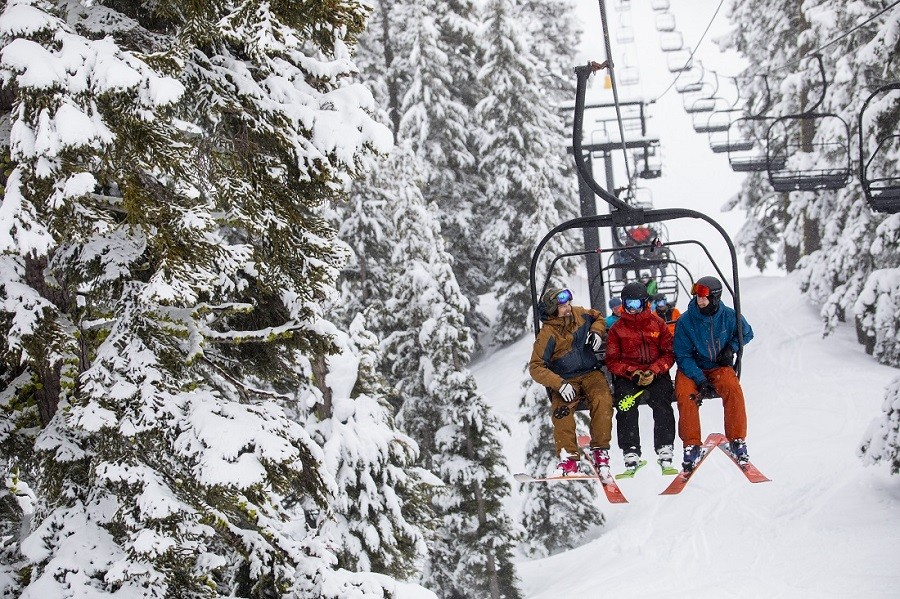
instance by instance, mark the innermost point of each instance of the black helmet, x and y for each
(710, 288)
(634, 298)
(707, 286)
(634, 291)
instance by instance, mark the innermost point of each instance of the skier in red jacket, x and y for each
(639, 355)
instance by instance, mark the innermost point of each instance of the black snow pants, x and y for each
(659, 395)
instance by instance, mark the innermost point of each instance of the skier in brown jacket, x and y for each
(563, 360)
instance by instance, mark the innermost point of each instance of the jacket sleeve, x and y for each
(684, 352)
(599, 324)
(667, 354)
(537, 366)
(614, 362)
(747, 333)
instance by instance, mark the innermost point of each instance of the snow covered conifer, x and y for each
(427, 353)
(882, 441)
(381, 500)
(521, 149)
(549, 509)
(163, 261)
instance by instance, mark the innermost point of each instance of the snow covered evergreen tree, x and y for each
(847, 254)
(882, 441)
(427, 353)
(522, 153)
(549, 509)
(382, 500)
(163, 264)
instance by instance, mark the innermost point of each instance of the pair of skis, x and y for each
(712, 441)
(614, 493)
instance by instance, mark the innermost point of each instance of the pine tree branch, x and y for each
(243, 389)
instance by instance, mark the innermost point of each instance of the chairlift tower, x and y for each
(635, 120)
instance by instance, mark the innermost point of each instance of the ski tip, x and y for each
(523, 478)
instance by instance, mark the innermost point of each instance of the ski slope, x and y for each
(826, 526)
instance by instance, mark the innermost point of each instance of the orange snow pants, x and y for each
(728, 387)
(595, 389)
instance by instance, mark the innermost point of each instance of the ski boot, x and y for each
(739, 450)
(567, 467)
(633, 463)
(664, 459)
(691, 457)
(601, 461)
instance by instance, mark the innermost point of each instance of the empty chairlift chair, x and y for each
(879, 173)
(678, 61)
(671, 41)
(665, 22)
(659, 5)
(798, 155)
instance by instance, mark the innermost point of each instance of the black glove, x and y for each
(725, 357)
(636, 377)
(706, 390)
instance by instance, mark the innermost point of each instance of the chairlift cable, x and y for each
(694, 50)
(615, 91)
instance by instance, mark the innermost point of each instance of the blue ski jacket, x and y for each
(700, 338)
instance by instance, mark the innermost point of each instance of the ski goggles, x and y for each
(564, 297)
(704, 291)
(633, 306)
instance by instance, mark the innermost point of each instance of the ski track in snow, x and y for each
(826, 526)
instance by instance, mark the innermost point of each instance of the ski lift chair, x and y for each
(621, 215)
(671, 41)
(623, 5)
(791, 144)
(625, 34)
(716, 120)
(878, 174)
(665, 22)
(691, 79)
(659, 5)
(788, 151)
(679, 60)
(629, 75)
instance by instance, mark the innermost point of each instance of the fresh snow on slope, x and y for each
(826, 526)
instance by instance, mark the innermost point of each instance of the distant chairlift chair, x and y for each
(878, 174)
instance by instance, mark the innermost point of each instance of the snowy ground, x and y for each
(826, 526)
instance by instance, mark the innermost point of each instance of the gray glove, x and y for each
(594, 340)
(567, 391)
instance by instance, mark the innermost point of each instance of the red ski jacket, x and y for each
(639, 342)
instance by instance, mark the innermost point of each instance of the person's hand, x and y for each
(725, 357)
(646, 377)
(636, 377)
(705, 390)
(594, 340)
(567, 391)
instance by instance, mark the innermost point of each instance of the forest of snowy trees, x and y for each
(242, 246)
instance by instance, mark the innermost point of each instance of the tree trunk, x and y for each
(493, 580)
(320, 369)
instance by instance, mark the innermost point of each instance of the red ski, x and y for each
(608, 482)
(679, 482)
(527, 478)
(749, 470)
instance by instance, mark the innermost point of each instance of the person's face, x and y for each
(702, 302)
(564, 309)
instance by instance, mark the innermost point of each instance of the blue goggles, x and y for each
(564, 297)
(633, 305)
